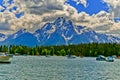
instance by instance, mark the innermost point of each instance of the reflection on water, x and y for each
(59, 68)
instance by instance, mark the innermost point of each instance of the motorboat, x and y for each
(101, 58)
(71, 56)
(4, 58)
(109, 59)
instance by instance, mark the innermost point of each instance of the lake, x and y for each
(59, 68)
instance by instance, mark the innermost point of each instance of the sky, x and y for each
(100, 15)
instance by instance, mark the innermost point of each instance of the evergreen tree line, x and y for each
(92, 49)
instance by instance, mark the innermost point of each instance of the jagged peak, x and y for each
(62, 31)
(23, 30)
(60, 20)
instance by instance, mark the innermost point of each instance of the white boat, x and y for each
(101, 58)
(109, 59)
(4, 58)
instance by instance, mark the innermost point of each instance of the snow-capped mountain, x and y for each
(60, 32)
(63, 31)
(21, 37)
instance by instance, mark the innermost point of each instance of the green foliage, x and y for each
(92, 49)
(62, 52)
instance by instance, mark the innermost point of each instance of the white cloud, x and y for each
(38, 12)
(84, 2)
(114, 6)
(113, 3)
(116, 26)
(115, 10)
(35, 15)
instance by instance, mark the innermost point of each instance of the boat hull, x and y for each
(5, 62)
(101, 58)
(4, 59)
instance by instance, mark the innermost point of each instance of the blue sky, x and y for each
(93, 6)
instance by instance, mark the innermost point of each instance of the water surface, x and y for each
(59, 68)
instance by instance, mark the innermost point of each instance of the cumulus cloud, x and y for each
(114, 9)
(113, 3)
(35, 12)
(93, 21)
(115, 26)
(38, 12)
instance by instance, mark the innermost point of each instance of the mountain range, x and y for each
(60, 32)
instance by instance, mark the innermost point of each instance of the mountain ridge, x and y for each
(59, 32)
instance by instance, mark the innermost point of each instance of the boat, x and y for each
(71, 56)
(10, 55)
(114, 56)
(101, 58)
(109, 59)
(4, 58)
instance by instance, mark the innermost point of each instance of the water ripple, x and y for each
(59, 68)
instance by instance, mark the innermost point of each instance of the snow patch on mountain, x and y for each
(3, 38)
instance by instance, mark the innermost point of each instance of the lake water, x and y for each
(59, 68)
